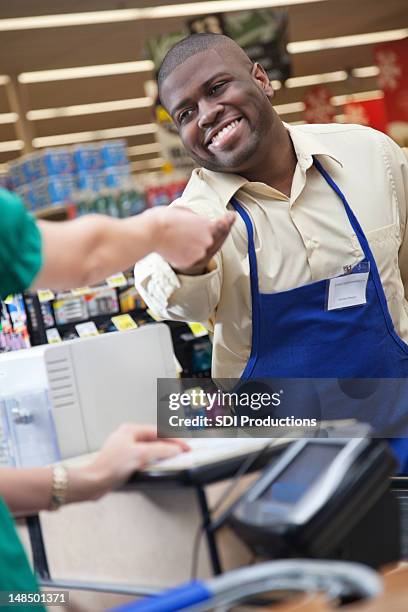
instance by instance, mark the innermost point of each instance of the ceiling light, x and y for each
(306, 46)
(158, 12)
(68, 19)
(316, 79)
(145, 149)
(365, 71)
(276, 85)
(11, 145)
(297, 122)
(292, 107)
(8, 117)
(88, 109)
(216, 6)
(121, 132)
(83, 72)
(4, 79)
(357, 97)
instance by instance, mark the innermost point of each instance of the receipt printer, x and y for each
(323, 498)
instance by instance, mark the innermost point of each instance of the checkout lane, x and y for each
(310, 502)
(172, 505)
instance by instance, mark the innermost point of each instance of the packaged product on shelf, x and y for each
(29, 197)
(90, 181)
(23, 171)
(103, 301)
(157, 196)
(113, 153)
(117, 177)
(87, 157)
(5, 182)
(13, 325)
(52, 162)
(131, 202)
(165, 193)
(68, 309)
(53, 191)
(16, 174)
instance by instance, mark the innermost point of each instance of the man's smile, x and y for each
(223, 134)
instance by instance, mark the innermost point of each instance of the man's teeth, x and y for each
(224, 131)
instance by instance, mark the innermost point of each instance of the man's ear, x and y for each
(258, 72)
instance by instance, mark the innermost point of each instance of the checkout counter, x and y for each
(317, 498)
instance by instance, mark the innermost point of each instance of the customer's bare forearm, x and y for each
(85, 251)
(26, 491)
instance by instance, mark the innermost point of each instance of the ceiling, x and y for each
(42, 48)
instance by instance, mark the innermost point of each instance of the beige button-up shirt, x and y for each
(298, 239)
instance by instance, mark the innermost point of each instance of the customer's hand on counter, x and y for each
(128, 449)
(131, 447)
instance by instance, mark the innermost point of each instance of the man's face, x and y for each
(221, 109)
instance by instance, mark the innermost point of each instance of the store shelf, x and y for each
(56, 213)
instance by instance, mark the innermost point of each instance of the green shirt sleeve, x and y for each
(15, 575)
(20, 245)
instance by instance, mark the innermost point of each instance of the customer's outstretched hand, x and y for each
(187, 240)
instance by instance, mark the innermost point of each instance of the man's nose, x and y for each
(208, 113)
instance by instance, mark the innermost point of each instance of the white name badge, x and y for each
(348, 290)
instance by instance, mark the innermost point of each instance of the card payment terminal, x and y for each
(323, 498)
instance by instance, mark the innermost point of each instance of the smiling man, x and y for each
(311, 281)
(196, 80)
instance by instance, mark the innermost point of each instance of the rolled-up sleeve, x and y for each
(176, 296)
(20, 245)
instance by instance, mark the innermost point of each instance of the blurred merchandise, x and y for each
(26, 321)
(96, 176)
(165, 193)
(366, 112)
(115, 203)
(131, 300)
(72, 309)
(13, 324)
(5, 180)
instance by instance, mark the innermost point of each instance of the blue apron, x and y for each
(295, 336)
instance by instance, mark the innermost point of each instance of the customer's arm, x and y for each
(128, 449)
(87, 250)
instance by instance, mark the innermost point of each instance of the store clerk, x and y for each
(295, 189)
(69, 254)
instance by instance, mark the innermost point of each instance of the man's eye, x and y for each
(216, 87)
(184, 115)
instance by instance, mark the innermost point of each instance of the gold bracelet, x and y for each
(59, 486)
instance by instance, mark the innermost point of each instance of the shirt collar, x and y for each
(305, 144)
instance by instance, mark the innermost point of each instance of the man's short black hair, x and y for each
(189, 46)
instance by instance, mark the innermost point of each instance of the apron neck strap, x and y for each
(251, 244)
(253, 273)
